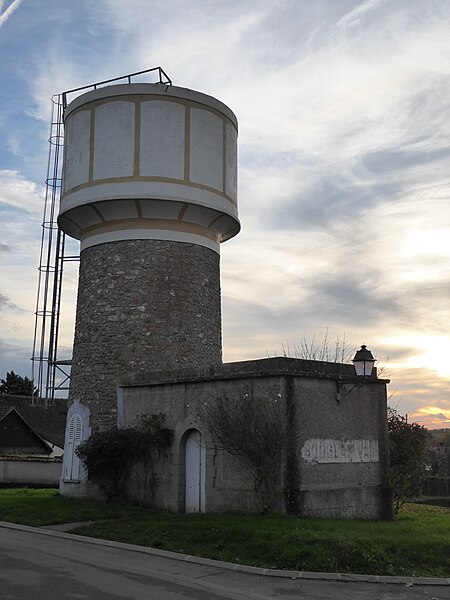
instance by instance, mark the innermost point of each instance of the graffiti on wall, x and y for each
(340, 451)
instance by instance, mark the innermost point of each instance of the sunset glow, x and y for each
(430, 352)
(432, 417)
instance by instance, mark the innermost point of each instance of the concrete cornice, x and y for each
(266, 367)
(151, 90)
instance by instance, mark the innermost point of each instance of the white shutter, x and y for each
(74, 438)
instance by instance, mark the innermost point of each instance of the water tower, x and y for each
(150, 190)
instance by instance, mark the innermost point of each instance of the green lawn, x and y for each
(416, 543)
(38, 507)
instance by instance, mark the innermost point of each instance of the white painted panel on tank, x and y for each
(114, 140)
(162, 139)
(206, 149)
(231, 161)
(76, 153)
(195, 473)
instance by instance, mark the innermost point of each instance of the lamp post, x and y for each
(363, 363)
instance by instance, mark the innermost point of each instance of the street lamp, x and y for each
(363, 363)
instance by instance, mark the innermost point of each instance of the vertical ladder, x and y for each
(51, 262)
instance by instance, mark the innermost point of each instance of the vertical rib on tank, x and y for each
(150, 190)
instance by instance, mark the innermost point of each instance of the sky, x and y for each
(344, 178)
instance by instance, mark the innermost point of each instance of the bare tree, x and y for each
(339, 351)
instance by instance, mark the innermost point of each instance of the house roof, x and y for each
(48, 422)
(7, 410)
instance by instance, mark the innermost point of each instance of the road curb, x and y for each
(342, 577)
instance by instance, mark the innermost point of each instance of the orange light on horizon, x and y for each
(432, 417)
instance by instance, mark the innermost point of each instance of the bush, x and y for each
(407, 447)
(111, 456)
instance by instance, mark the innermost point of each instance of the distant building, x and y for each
(31, 429)
(31, 441)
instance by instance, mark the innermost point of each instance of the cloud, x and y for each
(6, 13)
(349, 299)
(21, 208)
(356, 15)
(19, 193)
(432, 416)
(14, 357)
(53, 76)
(5, 303)
(430, 350)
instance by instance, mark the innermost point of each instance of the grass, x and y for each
(417, 543)
(37, 507)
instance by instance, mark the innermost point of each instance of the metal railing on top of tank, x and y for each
(163, 79)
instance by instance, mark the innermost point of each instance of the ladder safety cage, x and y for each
(50, 270)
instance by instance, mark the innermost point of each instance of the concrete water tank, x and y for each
(149, 161)
(150, 190)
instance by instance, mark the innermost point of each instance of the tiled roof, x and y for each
(49, 423)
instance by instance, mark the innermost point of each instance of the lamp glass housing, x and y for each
(364, 368)
(364, 362)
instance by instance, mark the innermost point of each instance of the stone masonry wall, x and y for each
(142, 305)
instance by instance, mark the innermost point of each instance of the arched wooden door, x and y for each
(195, 473)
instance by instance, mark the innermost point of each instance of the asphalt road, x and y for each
(43, 565)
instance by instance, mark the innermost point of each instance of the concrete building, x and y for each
(336, 461)
(150, 190)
